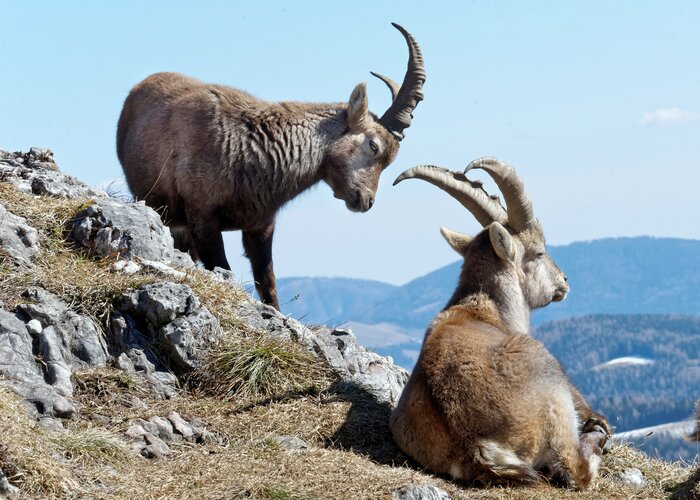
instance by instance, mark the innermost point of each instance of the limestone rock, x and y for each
(420, 492)
(36, 172)
(356, 366)
(78, 340)
(170, 314)
(18, 240)
(108, 227)
(291, 443)
(22, 373)
(6, 489)
(631, 476)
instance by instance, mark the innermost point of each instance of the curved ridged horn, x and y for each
(469, 193)
(393, 86)
(406, 98)
(519, 206)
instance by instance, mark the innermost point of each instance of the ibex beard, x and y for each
(487, 402)
(213, 158)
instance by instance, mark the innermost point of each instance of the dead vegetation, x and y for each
(252, 390)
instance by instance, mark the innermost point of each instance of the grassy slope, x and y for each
(352, 454)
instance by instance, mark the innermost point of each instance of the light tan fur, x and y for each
(486, 401)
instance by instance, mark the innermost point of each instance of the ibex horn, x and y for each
(405, 98)
(469, 193)
(518, 204)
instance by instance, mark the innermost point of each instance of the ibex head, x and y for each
(510, 253)
(355, 161)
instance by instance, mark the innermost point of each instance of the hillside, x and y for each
(126, 372)
(638, 275)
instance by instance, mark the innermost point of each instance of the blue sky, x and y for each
(596, 103)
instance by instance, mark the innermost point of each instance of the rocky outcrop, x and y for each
(156, 332)
(356, 366)
(36, 172)
(109, 228)
(420, 492)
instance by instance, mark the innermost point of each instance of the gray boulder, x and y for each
(22, 374)
(109, 227)
(36, 172)
(170, 316)
(355, 365)
(18, 240)
(76, 338)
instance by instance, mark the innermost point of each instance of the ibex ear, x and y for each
(458, 241)
(357, 105)
(502, 242)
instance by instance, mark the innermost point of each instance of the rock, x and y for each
(34, 327)
(127, 267)
(181, 426)
(291, 443)
(79, 340)
(356, 366)
(420, 492)
(171, 316)
(36, 172)
(155, 447)
(22, 373)
(166, 429)
(108, 227)
(52, 424)
(18, 240)
(58, 373)
(6, 489)
(631, 476)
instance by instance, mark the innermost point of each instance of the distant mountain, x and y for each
(329, 301)
(614, 276)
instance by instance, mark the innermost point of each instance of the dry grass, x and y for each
(258, 366)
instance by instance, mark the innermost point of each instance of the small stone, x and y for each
(126, 267)
(165, 429)
(180, 425)
(135, 431)
(6, 489)
(631, 476)
(289, 443)
(124, 363)
(420, 492)
(155, 447)
(34, 327)
(131, 401)
(52, 424)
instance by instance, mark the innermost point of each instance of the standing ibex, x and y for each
(213, 158)
(486, 401)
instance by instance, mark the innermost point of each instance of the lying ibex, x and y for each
(487, 402)
(213, 158)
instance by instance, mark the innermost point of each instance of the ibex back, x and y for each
(486, 401)
(212, 158)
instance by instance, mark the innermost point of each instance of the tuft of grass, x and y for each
(92, 446)
(26, 453)
(276, 492)
(257, 366)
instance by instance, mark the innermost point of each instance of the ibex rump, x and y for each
(486, 401)
(213, 158)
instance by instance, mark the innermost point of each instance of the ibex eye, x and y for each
(373, 146)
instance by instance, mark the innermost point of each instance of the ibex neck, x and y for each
(504, 304)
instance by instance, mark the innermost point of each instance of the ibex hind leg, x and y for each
(578, 457)
(497, 464)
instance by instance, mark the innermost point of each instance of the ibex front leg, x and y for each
(258, 249)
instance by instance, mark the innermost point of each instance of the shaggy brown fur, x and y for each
(212, 158)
